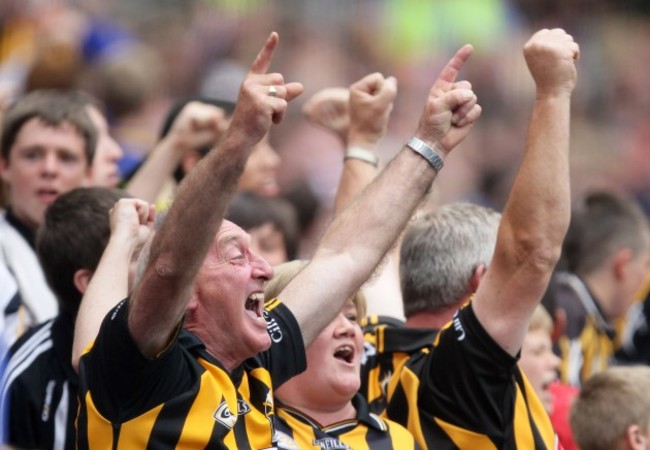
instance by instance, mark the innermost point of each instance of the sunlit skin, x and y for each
(104, 172)
(44, 162)
(268, 242)
(332, 377)
(540, 364)
(228, 298)
(261, 171)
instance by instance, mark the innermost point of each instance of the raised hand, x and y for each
(263, 97)
(371, 101)
(329, 108)
(197, 126)
(451, 109)
(132, 220)
(551, 56)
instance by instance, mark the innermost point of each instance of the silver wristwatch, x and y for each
(428, 153)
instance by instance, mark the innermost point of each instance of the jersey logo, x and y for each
(242, 407)
(330, 444)
(268, 405)
(272, 327)
(459, 328)
(224, 416)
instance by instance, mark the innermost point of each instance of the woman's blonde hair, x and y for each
(285, 272)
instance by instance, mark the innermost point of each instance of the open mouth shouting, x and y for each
(345, 353)
(255, 305)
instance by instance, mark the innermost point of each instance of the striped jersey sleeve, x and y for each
(466, 392)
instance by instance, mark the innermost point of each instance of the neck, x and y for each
(326, 416)
(427, 319)
(224, 354)
(604, 292)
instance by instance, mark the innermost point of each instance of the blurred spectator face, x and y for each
(44, 162)
(104, 171)
(540, 364)
(261, 171)
(268, 242)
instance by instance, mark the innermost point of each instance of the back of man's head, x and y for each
(602, 224)
(613, 409)
(53, 108)
(73, 237)
(440, 252)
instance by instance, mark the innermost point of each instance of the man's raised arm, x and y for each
(180, 246)
(537, 213)
(360, 236)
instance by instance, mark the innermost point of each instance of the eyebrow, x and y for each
(231, 237)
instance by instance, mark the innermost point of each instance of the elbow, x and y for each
(539, 256)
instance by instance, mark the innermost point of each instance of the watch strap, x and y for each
(427, 152)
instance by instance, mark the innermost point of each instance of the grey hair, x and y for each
(440, 252)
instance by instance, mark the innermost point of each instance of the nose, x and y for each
(344, 326)
(261, 268)
(116, 150)
(50, 164)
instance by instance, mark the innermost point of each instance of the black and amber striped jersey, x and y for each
(387, 343)
(184, 398)
(297, 431)
(589, 341)
(466, 392)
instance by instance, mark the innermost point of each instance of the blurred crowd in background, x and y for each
(141, 56)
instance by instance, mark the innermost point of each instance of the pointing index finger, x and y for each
(448, 75)
(263, 60)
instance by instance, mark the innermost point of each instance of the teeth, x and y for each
(258, 297)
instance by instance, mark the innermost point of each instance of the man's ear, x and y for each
(476, 278)
(621, 258)
(81, 279)
(635, 439)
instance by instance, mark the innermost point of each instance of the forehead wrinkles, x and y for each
(232, 237)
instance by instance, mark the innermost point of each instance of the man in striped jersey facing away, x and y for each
(39, 386)
(465, 390)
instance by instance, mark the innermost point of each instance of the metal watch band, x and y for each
(428, 153)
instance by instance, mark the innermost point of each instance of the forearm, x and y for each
(149, 179)
(356, 176)
(538, 209)
(181, 244)
(358, 239)
(109, 285)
